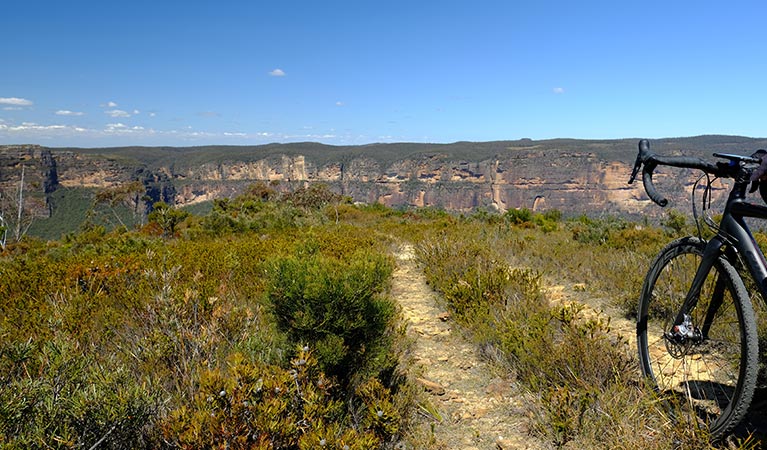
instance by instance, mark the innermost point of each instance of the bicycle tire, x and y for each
(716, 377)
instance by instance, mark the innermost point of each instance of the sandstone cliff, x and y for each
(575, 177)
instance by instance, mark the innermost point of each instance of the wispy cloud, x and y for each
(292, 137)
(66, 112)
(15, 101)
(109, 104)
(31, 126)
(277, 73)
(121, 128)
(120, 133)
(558, 90)
(117, 113)
(339, 103)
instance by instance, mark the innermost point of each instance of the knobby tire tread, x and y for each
(749, 359)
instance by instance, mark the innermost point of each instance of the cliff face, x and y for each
(32, 168)
(46, 170)
(570, 182)
(575, 177)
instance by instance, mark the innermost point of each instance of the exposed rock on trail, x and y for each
(473, 408)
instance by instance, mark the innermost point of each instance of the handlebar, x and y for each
(649, 187)
(650, 161)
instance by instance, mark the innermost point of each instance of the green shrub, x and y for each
(518, 216)
(572, 364)
(645, 240)
(144, 323)
(676, 222)
(465, 272)
(595, 231)
(337, 305)
(166, 217)
(53, 394)
(254, 211)
(553, 215)
(254, 406)
(314, 196)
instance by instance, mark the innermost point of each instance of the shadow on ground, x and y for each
(755, 422)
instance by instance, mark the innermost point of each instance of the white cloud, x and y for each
(277, 73)
(15, 101)
(309, 136)
(120, 133)
(339, 103)
(121, 129)
(200, 134)
(31, 126)
(111, 105)
(136, 111)
(152, 114)
(117, 113)
(558, 90)
(66, 112)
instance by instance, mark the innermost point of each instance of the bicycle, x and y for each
(696, 327)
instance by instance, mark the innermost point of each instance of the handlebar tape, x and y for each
(644, 147)
(651, 161)
(649, 187)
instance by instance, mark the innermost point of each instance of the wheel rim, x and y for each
(702, 376)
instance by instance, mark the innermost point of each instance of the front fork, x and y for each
(683, 332)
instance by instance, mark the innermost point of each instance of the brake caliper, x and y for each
(682, 337)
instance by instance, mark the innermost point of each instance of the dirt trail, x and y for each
(475, 408)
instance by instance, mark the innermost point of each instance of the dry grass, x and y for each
(129, 340)
(582, 372)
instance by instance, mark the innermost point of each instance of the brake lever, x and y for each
(644, 150)
(759, 154)
(635, 171)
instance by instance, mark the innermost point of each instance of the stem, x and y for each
(21, 206)
(103, 438)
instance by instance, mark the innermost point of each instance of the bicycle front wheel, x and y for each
(710, 371)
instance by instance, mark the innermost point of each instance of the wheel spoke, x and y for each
(710, 358)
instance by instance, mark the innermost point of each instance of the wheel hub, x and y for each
(681, 338)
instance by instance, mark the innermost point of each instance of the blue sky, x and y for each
(106, 73)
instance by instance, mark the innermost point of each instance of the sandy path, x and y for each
(476, 408)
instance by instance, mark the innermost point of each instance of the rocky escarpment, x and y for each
(575, 177)
(45, 170)
(31, 170)
(572, 182)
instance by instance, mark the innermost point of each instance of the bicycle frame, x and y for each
(734, 238)
(710, 355)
